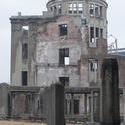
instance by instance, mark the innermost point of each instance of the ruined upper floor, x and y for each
(88, 8)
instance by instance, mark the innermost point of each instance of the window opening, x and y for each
(92, 34)
(24, 78)
(93, 66)
(97, 32)
(91, 9)
(80, 8)
(100, 11)
(64, 56)
(101, 33)
(64, 81)
(60, 8)
(51, 8)
(66, 60)
(93, 71)
(75, 8)
(27, 103)
(63, 29)
(97, 11)
(25, 28)
(76, 106)
(70, 8)
(38, 104)
(55, 9)
(24, 51)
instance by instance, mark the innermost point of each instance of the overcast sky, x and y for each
(116, 25)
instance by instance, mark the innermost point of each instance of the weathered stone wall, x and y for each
(4, 100)
(16, 53)
(110, 92)
(26, 103)
(121, 62)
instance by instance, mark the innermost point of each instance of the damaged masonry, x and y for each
(66, 45)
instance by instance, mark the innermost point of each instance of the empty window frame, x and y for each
(64, 81)
(92, 35)
(55, 9)
(59, 8)
(51, 8)
(101, 11)
(80, 8)
(91, 9)
(25, 28)
(38, 104)
(92, 65)
(97, 12)
(101, 33)
(63, 56)
(75, 8)
(63, 29)
(70, 8)
(24, 51)
(76, 106)
(27, 103)
(24, 78)
(97, 32)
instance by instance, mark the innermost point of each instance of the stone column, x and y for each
(92, 109)
(68, 107)
(4, 89)
(55, 105)
(110, 92)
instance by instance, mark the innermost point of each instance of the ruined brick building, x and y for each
(57, 46)
(66, 44)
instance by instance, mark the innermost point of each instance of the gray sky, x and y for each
(116, 25)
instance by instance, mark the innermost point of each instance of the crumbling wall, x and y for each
(16, 52)
(121, 62)
(48, 75)
(25, 104)
(48, 44)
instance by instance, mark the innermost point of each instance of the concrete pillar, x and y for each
(92, 117)
(110, 92)
(68, 107)
(4, 88)
(55, 105)
(96, 107)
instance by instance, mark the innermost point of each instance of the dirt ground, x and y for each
(5, 122)
(18, 123)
